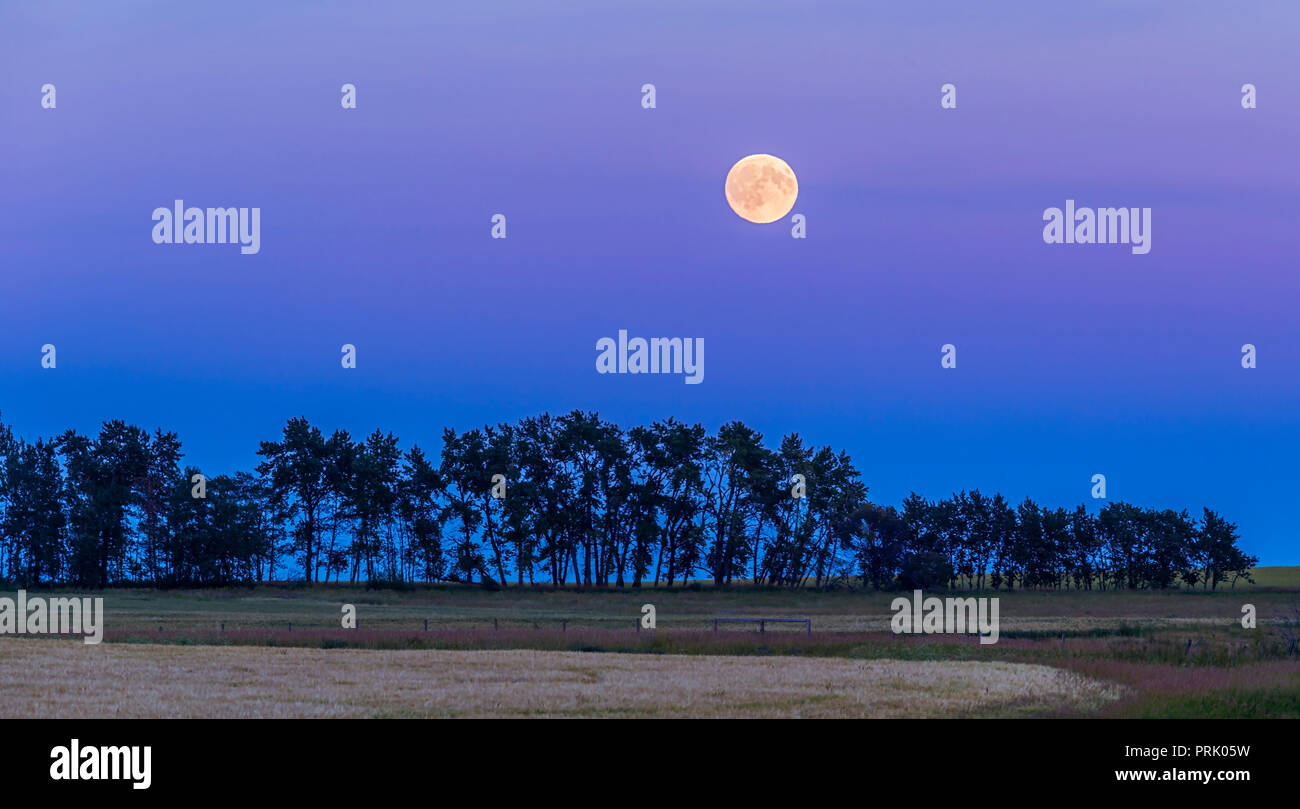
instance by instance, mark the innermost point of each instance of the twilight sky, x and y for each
(924, 228)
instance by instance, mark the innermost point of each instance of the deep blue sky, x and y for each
(924, 229)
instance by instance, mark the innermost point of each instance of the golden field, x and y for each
(58, 678)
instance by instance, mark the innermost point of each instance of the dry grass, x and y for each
(68, 679)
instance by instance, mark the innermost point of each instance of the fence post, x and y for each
(494, 624)
(715, 625)
(564, 625)
(809, 624)
(761, 625)
(426, 624)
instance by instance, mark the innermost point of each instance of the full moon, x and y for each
(761, 188)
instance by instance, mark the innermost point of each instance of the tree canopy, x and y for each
(585, 502)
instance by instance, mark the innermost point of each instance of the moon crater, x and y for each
(761, 188)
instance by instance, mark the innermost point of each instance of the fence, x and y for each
(763, 622)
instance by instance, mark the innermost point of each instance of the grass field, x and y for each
(693, 608)
(1172, 653)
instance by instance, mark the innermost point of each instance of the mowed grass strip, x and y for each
(278, 606)
(45, 678)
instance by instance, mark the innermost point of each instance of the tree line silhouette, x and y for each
(586, 502)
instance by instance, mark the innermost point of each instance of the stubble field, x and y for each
(147, 680)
